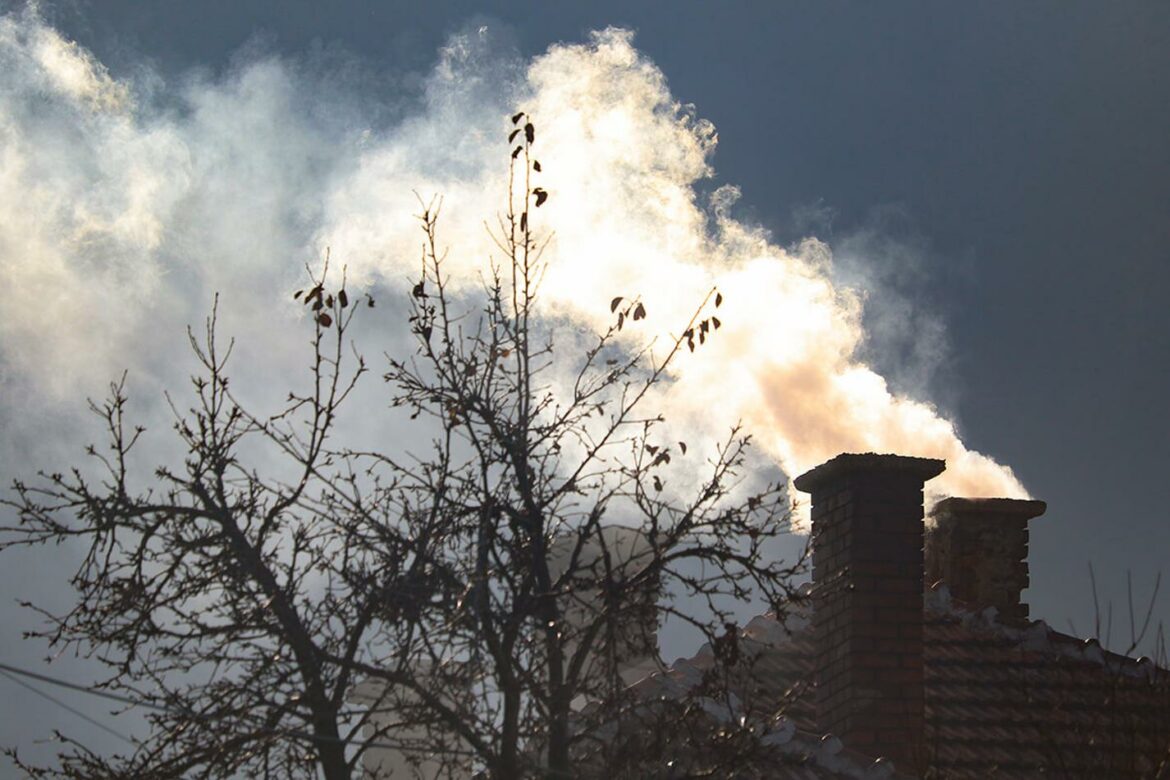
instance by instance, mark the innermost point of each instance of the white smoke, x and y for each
(125, 205)
(119, 220)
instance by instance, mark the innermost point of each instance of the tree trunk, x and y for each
(558, 742)
(331, 750)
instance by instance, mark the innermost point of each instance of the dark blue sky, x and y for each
(1022, 150)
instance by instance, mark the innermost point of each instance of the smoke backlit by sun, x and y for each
(117, 221)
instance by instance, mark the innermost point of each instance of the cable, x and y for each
(86, 689)
(78, 713)
(294, 733)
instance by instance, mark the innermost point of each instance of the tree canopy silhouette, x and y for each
(471, 608)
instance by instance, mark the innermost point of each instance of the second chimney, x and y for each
(867, 600)
(978, 547)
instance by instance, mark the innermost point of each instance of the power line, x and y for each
(63, 705)
(85, 689)
(5, 669)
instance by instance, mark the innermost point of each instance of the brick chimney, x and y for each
(867, 600)
(979, 548)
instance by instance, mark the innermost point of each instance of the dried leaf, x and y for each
(329, 302)
(657, 483)
(342, 298)
(704, 326)
(419, 290)
(621, 320)
(516, 152)
(370, 301)
(324, 319)
(715, 323)
(541, 196)
(614, 304)
(524, 221)
(651, 449)
(516, 117)
(639, 312)
(298, 294)
(718, 299)
(529, 132)
(512, 135)
(682, 445)
(536, 165)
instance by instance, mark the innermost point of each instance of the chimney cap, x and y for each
(1006, 508)
(850, 463)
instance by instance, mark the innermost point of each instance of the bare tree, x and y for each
(472, 606)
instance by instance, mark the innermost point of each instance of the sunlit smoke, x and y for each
(119, 220)
(622, 158)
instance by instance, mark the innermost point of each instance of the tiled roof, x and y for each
(1001, 702)
(1019, 702)
(784, 752)
(772, 678)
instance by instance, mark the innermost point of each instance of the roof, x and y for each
(782, 751)
(769, 687)
(1000, 701)
(1020, 701)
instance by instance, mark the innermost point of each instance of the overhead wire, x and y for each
(8, 670)
(92, 721)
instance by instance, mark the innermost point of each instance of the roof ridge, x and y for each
(768, 630)
(1038, 636)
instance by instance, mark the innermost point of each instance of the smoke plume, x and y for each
(125, 205)
(128, 202)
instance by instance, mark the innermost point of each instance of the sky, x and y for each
(941, 229)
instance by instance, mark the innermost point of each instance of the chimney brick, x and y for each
(979, 548)
(867, 598)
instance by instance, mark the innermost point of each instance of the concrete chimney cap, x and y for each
(849, 463)
(1007, 508)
